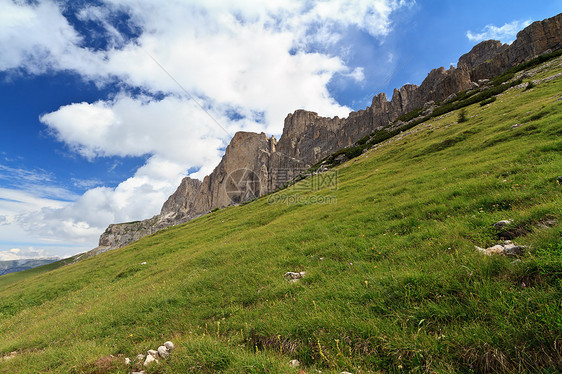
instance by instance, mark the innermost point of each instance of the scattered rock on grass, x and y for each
(10, 356)
(169, 345)
(294, 363)
(340, 159)
(163, 352)
(151, 356)
(507, 249)
(294, 277)
(502, 223)
(547, 223)
(149, 360)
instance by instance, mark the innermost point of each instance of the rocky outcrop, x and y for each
(239, 175)
(506, 248)
(481, 53)
(180, 204)
(538, 38)
(254, 164)
(121, 234)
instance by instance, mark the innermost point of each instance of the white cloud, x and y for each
(83, 220)
(31, 34)
(248, 57)
(358, 74)
(505, 33)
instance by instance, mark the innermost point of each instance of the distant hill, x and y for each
(20, 265)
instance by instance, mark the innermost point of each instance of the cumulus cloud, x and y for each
(205, 70)
(15, 206)
(83, 220)
(31, 35)
(505, 33)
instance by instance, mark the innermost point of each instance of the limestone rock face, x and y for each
(538, 38)
(441, 83)
(254, 164)
(306, 136)
(242, 175)
(481, 53)
(180, 203)
(239, 175)
(121, 234)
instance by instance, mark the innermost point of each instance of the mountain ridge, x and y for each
(307, 137)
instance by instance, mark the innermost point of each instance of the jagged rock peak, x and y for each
(306, 134)
(181, 201)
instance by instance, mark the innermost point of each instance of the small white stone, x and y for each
(153, 353)
(143, 263)
(169, 345)
(502, 223)
(140, 357)
(294, 277)
(149, 360)
(127, 361)
(163, 351)
(294, 363)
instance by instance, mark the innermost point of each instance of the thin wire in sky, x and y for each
(187, 93)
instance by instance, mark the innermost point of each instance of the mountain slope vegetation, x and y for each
(393, 281)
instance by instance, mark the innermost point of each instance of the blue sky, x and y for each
(106, 105)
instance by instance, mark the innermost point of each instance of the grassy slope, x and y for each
(393, 281)
(21, 275)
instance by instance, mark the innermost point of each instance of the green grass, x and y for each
(393, 281)
(20, 275)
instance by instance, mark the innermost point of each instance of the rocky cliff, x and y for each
(537, 38)
(254, 164)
